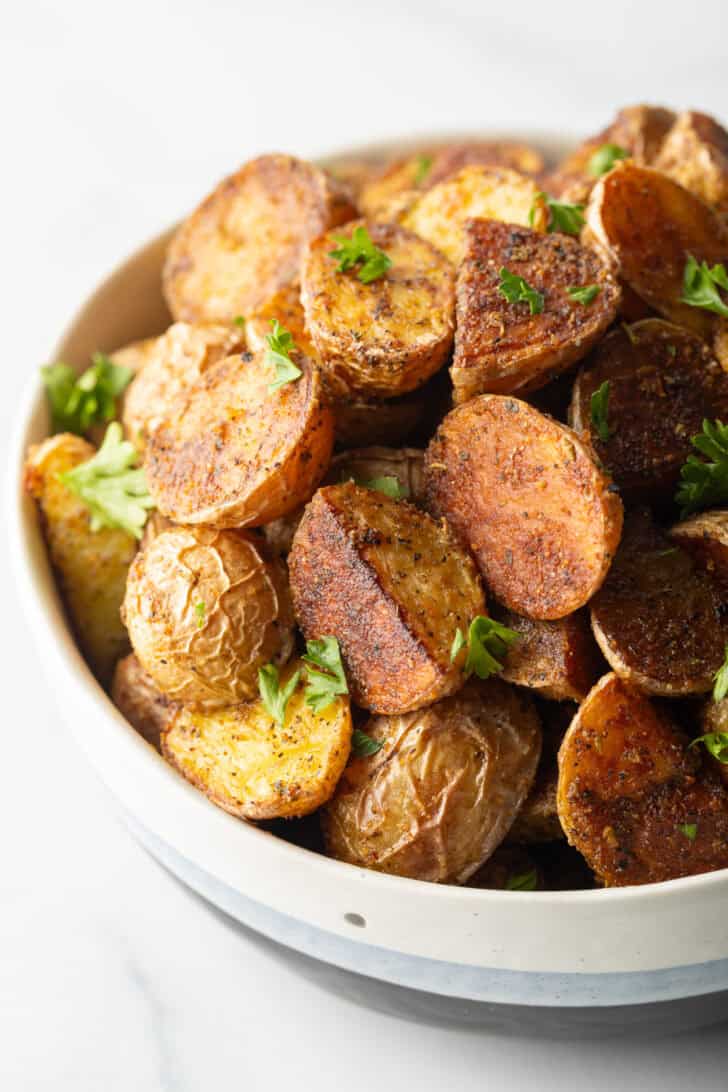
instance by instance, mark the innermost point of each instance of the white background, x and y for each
(116, 118)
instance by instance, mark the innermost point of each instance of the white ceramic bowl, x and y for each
(656, 955)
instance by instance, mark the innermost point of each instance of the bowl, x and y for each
(652, 957)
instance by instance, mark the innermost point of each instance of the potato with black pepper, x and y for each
(136, 696)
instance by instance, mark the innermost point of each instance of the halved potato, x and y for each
(558, 660)
(205, 610)
(389, 336)
(90, 566)
(245, 241)
(663, 381)
(525, 494)
(136, 696)
(633, 799)
(502, 347)
(705, 537)
(695, 154)
(135, 357)
(252, 767)
(285, 307)
(392, 586)
(657, 617)
(488, 193)
(440, 795)
(359, 421)
(231, 452)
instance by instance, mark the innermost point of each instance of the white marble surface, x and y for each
(116, 118)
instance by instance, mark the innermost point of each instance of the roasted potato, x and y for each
(392, 586)
(245, 241)
(695, 154)
(136, 696)
(285, 306)
(439, 796)
(90, 566)
(663, 381)
(502, 347)
(359, 422)
(633, 798)
(558, 660)
(135, 357)
(524, 493)
(389, 336)
(658, 618)
(705, 537)
(537, 822)
(232, 452)
(205, 610)
(253, 767)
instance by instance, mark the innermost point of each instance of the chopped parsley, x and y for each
(274, 696)
(565, 218)
(522, 881)
(720, 679)
(362, 745)
(584, 294)
(200, 613)
(422, 169)
(716, 743)
(599, 410)
(705, 483)
(701, 284)
(360, 250)
(387, 484)
(78, 402)
(516, 290)
(239, 320)
(486, 640)
(324, 673)
(280, 346)
(690, 830)
(604, 159)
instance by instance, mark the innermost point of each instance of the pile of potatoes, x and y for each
(270, 530)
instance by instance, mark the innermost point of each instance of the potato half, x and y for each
(558, 660)
(440, 795)
(695, 154)
(136, 696)
(705, 537)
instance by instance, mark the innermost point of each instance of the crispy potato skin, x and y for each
(657, 618)
(558, 660)
(234, 453)
(627, 782)
(663, 381)
(392, 586)
(136, 696)
(705, 537)
(695, 154)
(250, 766)
(525, 494)
(245, 241)
(488, 193)
(440, 795)
(207, 655)
(90, 566)
(388, 337)
(501, 347)
(649, 225)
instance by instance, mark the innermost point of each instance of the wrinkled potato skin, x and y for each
(657, 617)
(392, 586)
(387, 337)
(525, 494)
(663, 382)
(135, 695)
(501, 347)
(627, 782)
(705, 537)
(558, 660)
(245, 241)
(695, 154)
(90, 566)
(254, 769)
(442, 792)
(233, 453)
(212, 659)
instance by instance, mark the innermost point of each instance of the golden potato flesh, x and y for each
(246, 240)
(440, 795)
(389, 336)
(136, 696)
(695, 154)
(205, 610)
(90, 566)
(232, 452)
(633, 798)
(501, 346)
(559, 660)
(392, 586)
(705, 538)
(285, 307)
(253, 767)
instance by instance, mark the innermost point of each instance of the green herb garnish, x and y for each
(280, 346)
(200, 613)
(423, 168)
(387, 484)
(567, 219)
(486, 640)
(522, 881)
(604, 159)
(274, 696)
(701, 284)
(599, 409)
(705, 483)
(78, 402)
(516, 290)
(690, 830)
(325, 676)
(362, 745)
(584, 294)
(360, 250)
(716, 743)
(720, 679)
(239, 320)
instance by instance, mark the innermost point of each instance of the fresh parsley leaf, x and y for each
(111, 486)
(565, 218)
(599, 410)
(690, 830)
(701, 284)
(516, 290)
(362, 745)
(387, 484)
(703, 484)
(360, 250)
(239, 320)
(604, 159)
(631, 336)
(325, 676)
(274, 696)
(78, 402)
(486, 640)
(721, 679)
(584, 294)
(200, 612)
(716, 743)
(424, 166)
(280, 345)
(458, 641)
(522, 881)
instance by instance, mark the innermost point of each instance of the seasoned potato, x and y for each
(389, 336)
(245, 241)
(205, 610)
(657, 618)
(634, 800)
(439, 796)
(537, 822)
(174, 363)
(90, 566)
(392, 586)
(510, 868)
(355, 173)
(359, 421)
(557, 659)
(695, 154)
(501, 347)
(135, 695)
(234, 453)
(252, 767)
(286, 307)
(705, 537)
(663, 381)
(525, 494)
(650, 225)
(488, 193)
